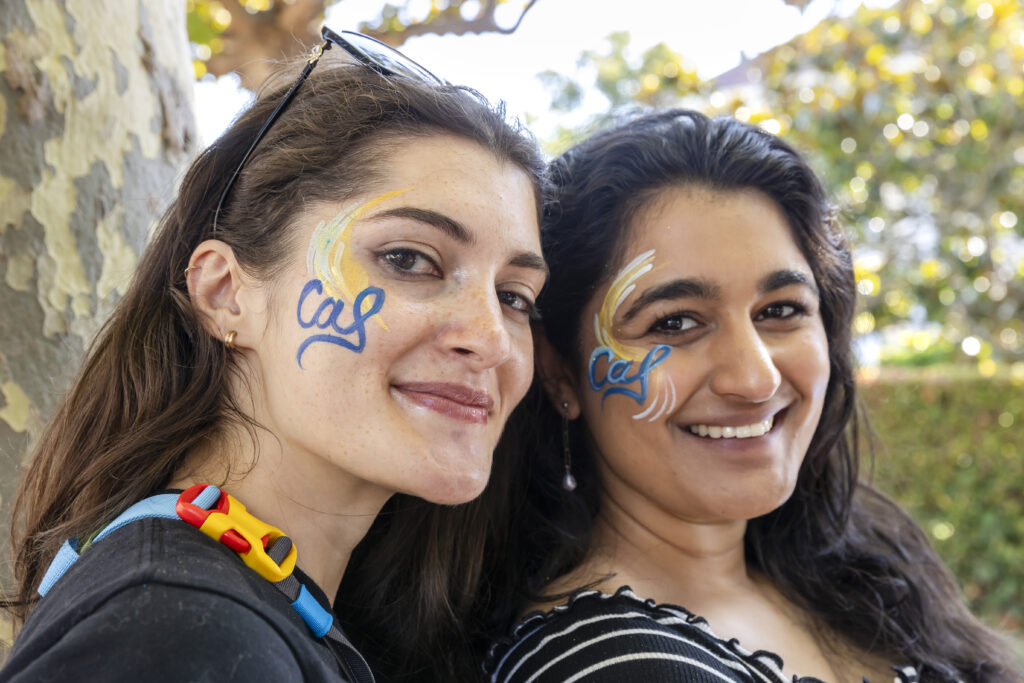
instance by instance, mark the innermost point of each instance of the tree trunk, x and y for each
(95, 123)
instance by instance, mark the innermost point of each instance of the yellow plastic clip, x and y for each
(236, 528)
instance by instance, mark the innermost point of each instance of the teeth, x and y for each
(743, 432)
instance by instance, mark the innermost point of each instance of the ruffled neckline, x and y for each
(758, 658)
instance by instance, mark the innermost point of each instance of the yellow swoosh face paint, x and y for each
(329, 258)
(624, 284)
(629, 370)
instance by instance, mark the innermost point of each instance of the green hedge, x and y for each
(951, 451)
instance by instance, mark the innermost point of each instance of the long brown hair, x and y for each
(154, 383)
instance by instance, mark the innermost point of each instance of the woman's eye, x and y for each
(674, 324)
(780, 311)
(410, 261)
(518, 302)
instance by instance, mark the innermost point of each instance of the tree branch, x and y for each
(450, 22)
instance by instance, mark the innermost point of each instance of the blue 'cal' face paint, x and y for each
(327, 314)
(338, 277)
(627, 370)
(617, 374)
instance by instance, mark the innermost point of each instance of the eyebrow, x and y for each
(698, 288)
(785, 278)
(688, 288)
(447, 225)
(459, 233)
(532, 260)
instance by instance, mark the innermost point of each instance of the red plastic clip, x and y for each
(230, 523)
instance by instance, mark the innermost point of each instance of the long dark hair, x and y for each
(154, 383)
(837, 548)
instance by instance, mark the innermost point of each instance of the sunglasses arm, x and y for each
(314, 57)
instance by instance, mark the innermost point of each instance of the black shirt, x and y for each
(157, 600)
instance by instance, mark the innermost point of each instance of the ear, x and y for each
(220, 291)
(556, 375)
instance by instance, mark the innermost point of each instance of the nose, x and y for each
(743, 366)
(476, 329)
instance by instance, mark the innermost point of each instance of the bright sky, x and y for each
(713, 34)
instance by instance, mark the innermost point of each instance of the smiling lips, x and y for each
(733, 432)
(456, 401)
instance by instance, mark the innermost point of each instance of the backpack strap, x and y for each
(262, 547)
(161, 505)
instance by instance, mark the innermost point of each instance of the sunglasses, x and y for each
(370, 52)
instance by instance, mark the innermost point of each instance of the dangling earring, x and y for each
(568, 481)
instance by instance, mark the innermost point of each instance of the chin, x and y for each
(764, 503)
(459, 482)
(743, 503)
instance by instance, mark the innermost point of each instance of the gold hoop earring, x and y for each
(189, 270)
(229, 340)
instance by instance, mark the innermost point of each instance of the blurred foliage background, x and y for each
(913, 115)
(949, 450)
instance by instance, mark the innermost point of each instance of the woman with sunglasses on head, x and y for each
(678, 497)
(335, 308)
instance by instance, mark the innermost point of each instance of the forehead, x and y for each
(451, 168)
(494, 200)
(715, 234)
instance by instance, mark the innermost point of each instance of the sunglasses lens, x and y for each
(388, 57)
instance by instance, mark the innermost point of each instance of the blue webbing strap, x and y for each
(66, 556)
(155, 506)
(319, 620)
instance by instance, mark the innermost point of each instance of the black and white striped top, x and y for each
(601, 638)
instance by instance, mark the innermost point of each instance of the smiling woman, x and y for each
(696, 381)
(731, 304)
(335, 309)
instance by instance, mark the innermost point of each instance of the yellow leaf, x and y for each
(920, 22)
(864, 323)
(979, 130)
(221, 18)
(874, 54)
(837, 33)
(931, 270)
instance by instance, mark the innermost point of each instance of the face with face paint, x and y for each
(704, 361)
(398, 340)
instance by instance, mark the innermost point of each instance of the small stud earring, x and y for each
(568, 481)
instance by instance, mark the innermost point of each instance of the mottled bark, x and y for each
(95, 124)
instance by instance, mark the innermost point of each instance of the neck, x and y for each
(322, 509)
(666, 558)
